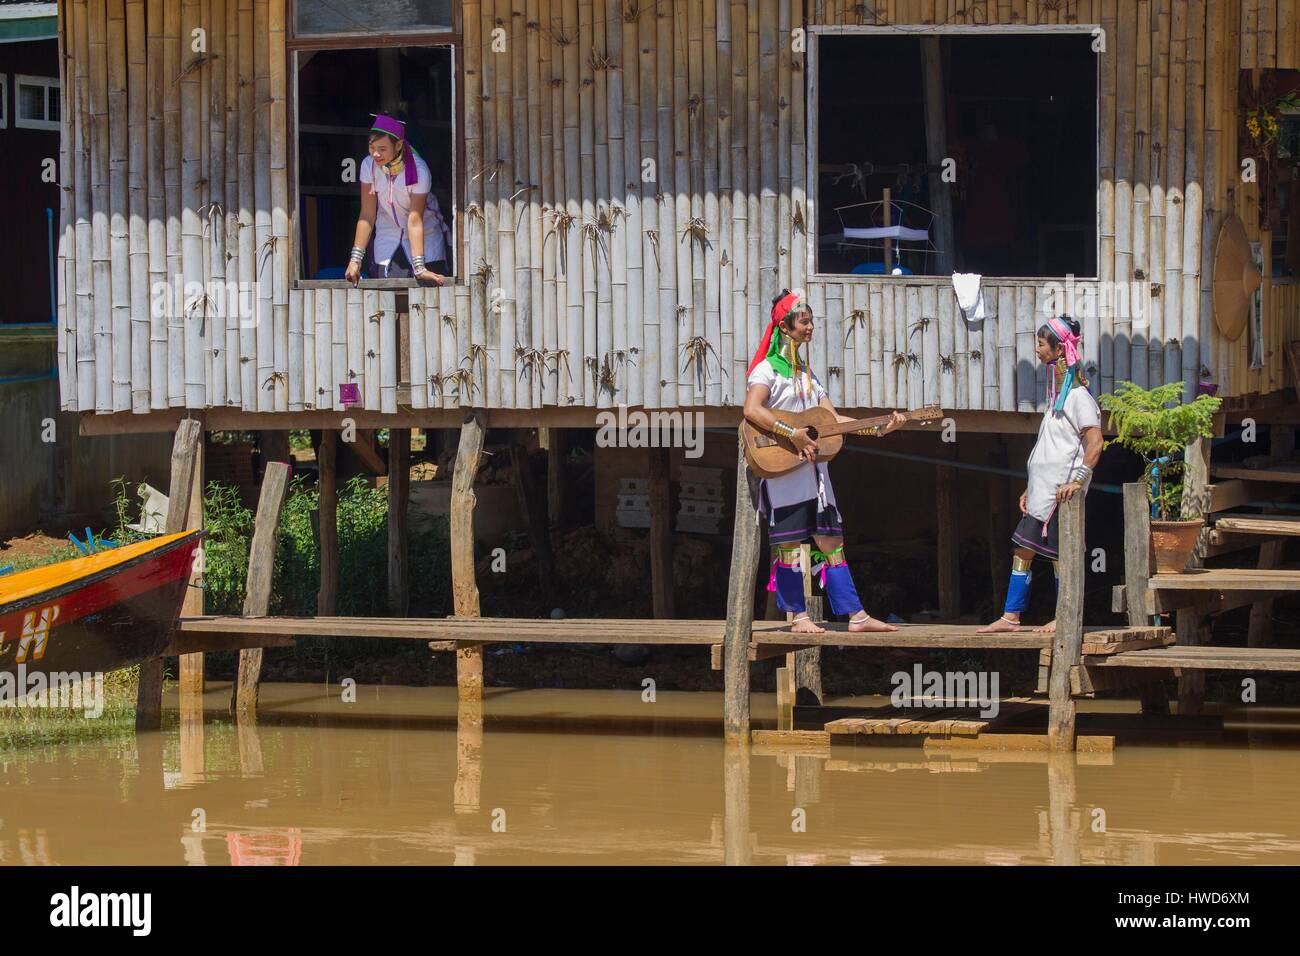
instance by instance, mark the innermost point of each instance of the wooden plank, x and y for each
(1091, 650)
(257, 592)
(790, 738)
(757, 652)
(1235, 492)
(469, 659)
(1229, 579)
(1288, 473)
(182, 643)
(1069, 625)
(740, 608)
(1263, 659)
(1086, 680)
(1284, 525)
(185, 462)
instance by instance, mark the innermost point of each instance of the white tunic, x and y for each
(394, 198)
(810, 479)
(1059, 450)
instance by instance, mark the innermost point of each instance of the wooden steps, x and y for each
(1228, 579)
(1285, 525)
(1193, 657)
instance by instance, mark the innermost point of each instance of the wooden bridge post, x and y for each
(740, 610)
(1190, 624)
(257, 592)
(185, 461)
(328, 509)
(469, 657)
(399, 498)
(1067, 643)
(1137, 575)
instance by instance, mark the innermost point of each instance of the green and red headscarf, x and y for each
(781, 351)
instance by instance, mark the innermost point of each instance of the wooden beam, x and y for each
(949, 542)
(533, 508)
(363, 446)
(327, 458)
(1069, 626)
(661, 532)
(185, 458)
(936, 149)
(557, 450)
(399, 499)
(740, 609)
(257, 596)
(1260, 633)
(715, 416)
(469, 659)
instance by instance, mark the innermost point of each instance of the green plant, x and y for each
(225, 550)
(1157, 425)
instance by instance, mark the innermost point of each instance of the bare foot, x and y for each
(1000, 626)
(803, 625)
(1048, 628)
(867, 623)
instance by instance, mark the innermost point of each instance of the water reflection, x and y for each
(411, 775)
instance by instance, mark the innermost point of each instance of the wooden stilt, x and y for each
(1061, 797)
(740, 611)
(949, 536)
(327, 459)
(661, 532)
(399, 498)
(469, 755)
(191, 665)
(274, 445)
(1137, 571)
(1261, 612)
(185, 458)
(936, 149)
(736, 847)
(1068, 641)
(257, 593)
(533, 508)
(469, 657)
(999, 493)
(1190, 625)
(557, 450)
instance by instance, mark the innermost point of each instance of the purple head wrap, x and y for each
(397, 129)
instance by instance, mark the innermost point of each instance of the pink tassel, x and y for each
(771, 581)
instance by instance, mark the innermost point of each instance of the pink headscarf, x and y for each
(1070, 346)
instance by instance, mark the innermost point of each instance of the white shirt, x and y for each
(809, 478)
(394, 201)
(1059, 450)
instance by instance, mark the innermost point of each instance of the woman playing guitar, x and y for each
(800, 505)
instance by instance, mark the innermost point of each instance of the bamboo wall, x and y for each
(580, 283)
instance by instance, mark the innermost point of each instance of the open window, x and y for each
(346, 69)
(36, 102)
(1002, 180)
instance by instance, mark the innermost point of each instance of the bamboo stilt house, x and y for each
(627, 185)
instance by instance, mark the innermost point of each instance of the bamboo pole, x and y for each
(194, 298)
(230, 212)
(768, 172)
(882, 315)
(82, 230)
(297, 350)
(117, 162)
(65, 329)
(1160, 27)
(1109, 121)
(538, 172)
(416, 307)
(1124, 63)
(630, 189)
(649, 188)
(340, 374)
(278, 144)
(1175, 158)
(137, 201)
(251, 303)
(1008, 339)
(371, 318)
(307, 322)
(507, 157)
(356, 347)
(690, 318)
(1214, 195)
(738, 140)
(989, 359)
(265, 257)
(388, 354)
(665, 51)
(1194, 197)
(1138, 304)
(218, 203)
(551, 135)
(101, 263)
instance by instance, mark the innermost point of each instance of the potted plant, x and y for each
(1158, 425)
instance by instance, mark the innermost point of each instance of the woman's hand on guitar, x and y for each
(804, 444)
(896, 420)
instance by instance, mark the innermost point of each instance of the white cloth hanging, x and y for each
(970, 297)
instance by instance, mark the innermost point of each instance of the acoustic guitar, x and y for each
(770, 456)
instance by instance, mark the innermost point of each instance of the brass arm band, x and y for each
(784, 429)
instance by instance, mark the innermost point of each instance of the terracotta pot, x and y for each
(1172, 543)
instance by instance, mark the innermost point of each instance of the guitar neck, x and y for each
(843, 428)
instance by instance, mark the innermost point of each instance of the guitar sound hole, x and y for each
(812, 432)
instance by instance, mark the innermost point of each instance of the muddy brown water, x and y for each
(603, 777)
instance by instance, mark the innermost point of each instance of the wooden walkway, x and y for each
(1206, 658)
(225, 632)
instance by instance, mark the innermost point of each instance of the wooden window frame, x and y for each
(816, 32)
(4, 100)
(453, 38)
(46, 83)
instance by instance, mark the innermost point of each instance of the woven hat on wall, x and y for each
(1235, 279)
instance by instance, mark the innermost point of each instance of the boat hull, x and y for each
(98, 616)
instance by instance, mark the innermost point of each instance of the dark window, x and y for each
(1019, 125)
